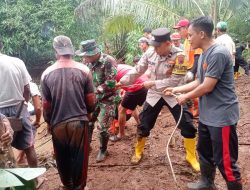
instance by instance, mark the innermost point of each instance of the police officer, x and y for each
(103, 68)
(168, 68)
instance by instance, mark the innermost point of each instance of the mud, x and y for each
(153, 173)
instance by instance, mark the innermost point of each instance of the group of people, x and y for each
(77, 95)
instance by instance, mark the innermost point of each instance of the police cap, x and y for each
(160, 35)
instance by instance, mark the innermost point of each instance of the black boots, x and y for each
(206, 182)
(102, 154)
(234, 186)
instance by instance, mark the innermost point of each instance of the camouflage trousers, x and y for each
(104, 113)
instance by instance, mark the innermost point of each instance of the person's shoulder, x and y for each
(219, 51)
(14, 60)
(150, 52)
(108, 59)
(84, 68)
(48, 70)
(176, 52)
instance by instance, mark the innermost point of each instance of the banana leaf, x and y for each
(8, 179)
(19, 178)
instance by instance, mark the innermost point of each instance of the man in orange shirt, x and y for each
(191, 57)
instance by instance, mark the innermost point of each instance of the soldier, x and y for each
(103, 68)
(163, 59)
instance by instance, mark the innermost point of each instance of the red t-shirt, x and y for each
(123, 69)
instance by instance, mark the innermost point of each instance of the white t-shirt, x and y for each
(13, 77)
(34, 89)
(227, 41)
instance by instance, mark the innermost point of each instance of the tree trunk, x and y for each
(214, 11)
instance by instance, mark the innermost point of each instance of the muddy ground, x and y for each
(153, 173)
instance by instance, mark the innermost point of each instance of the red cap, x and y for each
(182, 23)
(175, 36)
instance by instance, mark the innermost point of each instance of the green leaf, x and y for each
(8, 179)
(27, 173)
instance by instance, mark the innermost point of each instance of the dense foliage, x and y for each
(27, 27)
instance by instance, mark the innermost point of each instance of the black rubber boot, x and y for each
(234, 185)
(206, 182)
(102, 154)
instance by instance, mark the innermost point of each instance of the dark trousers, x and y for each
(149, 115)
(71, 146)
(218, 146)
(241, 62)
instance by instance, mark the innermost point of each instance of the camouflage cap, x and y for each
(88, 48)
(63, 45)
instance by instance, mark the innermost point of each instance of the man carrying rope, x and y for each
(218, 105)
(167, 68)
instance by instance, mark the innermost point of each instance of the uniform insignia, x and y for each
(181, 59)
(204, 66)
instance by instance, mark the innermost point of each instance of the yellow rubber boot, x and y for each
(139, 148)
(236, 75)
(190, 146)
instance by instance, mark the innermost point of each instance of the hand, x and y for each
(170, 91)
(35, 123)
(89, 116)
(148, 84)
(6, 138)
(118, 85)
(181, 99)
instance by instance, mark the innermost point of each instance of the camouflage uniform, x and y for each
(104, 72)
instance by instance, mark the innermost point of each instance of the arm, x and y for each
(38, 109)
(195, 65)
(90, 98)
(137, 71)
(90, 101)
(110, 72)
(26, 92)
(181, 89)
(217, 63)
(46, 101)
(7, 137)
(202, 89)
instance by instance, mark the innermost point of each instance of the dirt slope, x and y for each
(153, 173)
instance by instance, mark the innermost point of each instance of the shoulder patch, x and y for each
(180, 59)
